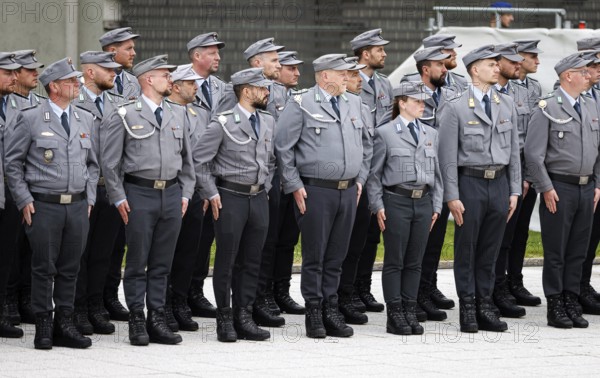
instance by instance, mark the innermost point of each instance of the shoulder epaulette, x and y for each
(115, 94)
(40, 96)
(278, 83)
(352, 93)
(299, 91)
(457, 74)
(29, 108)
(216, 77)
(173, 102)
(532, 79)
(382, 75)
(547, 96)
(227, 112)
(263, 111)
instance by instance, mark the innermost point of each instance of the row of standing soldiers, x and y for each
(170, 158)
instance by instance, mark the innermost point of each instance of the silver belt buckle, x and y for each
(417, 193)
(65, 199)
(343, 185)
(583, 180)
(489, 174)
(160, 184)
(254, 189)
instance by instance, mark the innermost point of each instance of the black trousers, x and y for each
(11, 232)
(113, 277)
(586, 272)
(433, 251)
(516, 255)
(358, 239)
(152, 231)
(405, 238)
(105, 222)
(188, 246)
(369, 252)
(477, 241)
(566, 236)
(207, 237)
(325, 228)
(289, 234)
(267, 264)
(57, 235)
(240, 232)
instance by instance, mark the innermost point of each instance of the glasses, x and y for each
(166, 76)
(582, 72)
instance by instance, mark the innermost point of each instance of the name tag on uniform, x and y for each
(47, 133)
(473, 122)
(137, 127)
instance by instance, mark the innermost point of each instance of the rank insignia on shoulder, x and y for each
(47, 116)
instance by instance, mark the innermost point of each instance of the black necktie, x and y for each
(577, 108)
(488, 106)
(2, 114)
(334, 104)
(206, 93)
(436, 98)
(119, 84)
(64, 120)
(98, 102)
(504, 90)
(254, 124)
(158, 115)
(413, 132)
(372, 83)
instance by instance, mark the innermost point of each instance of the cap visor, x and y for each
(109, 65)
(12, 66)
(262, 83)
(345, 67)
(169, 67)
(33, 66)
(514, 58)
(70, 75)
(440, 57)
(291, 63)
(419, 96)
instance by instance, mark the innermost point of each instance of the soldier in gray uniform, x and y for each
(8, 217)
(91, 316)
(563, 164)
(446, 41)
(203, 52)
(187, 250)
(377, 94)
(55, 202)
(482, 181)
(122, 42)
(147, 166)
(433, 73)
(509, 65)
(526, 91)
(588, 297)
(322, 161)
(18, 292)
(238, 154)
(405, 191)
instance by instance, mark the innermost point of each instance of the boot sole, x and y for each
(340, 333)
(212, 314)
(190, 328)
(231, 339)
(404, 332)
(437, 318)
(67, 343)
(253, 337)
(529, 303)
(42, 346)
(140, 341)
(443, 305)
(173, 341)
(562, 326)
(318, 334)
(469, 329)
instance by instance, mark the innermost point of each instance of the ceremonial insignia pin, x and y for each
(318, 130)
(48, 156)
(471, 103)
(13, 103)
(122, 111)
(137, 127)
(561, 135)
(542, 104)
(496, 99)
(236, 118)
(76, 115)
(83, 135)
(47, 116)
(47, 133)
(473, 122)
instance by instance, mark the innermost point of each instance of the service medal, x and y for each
(48, 156)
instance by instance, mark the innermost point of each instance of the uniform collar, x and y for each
(572, 100)
(59, 111)
(246, 113)
(150, 103)
(406, 122)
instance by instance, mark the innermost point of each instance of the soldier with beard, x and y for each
(239, 161)
(149, 176)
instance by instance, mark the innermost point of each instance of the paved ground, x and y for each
(528, 348)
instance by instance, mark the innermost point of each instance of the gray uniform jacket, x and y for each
(398, 160)
(131, 86)
(380, 104)
(313, 142)
(454, 81)
(111, 101)
(430, 114)
(277, 98)
(198, 120)
(145, 149)
(525, 99)
(568, 148)
(218, 88)
(470, 139)
(236, 155)
(41, 158)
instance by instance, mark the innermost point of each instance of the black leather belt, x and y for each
(241, 188)
(570, 179)
(411, 193)
(63, 199)
(329, 184)
(489, 174)
(154, 184)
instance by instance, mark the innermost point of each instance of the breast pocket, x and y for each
(473, 138)
(560, 135)
(595, 132)
(358, 131)
(178, 139)
(319, 133)
(86, 146)
(401, 160)
(505, 133)
(47, 149)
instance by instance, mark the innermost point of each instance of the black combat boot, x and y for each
(99, 317)
(396, 321)
(270, 298)
(521, 294)
(281, 293)
(557, 317)
(411, 317)
(81, 320)
(158, 329)
(183, 314)
(314, 320)
(573, 310)
(438, 298)
(333, 320)
(25, 310)
(351, 314)
(468, 315)
(589, 304)
(427, 305)
(506, 307)
(364, 292)
(487, 319)
(7, 329)
(11, 309)
(138, 335)
(263, 316)
(198, 303)
(65, 332)
(245, 327)
(114, 306)
(421, 315)
(169, 317)
(358, 303)
(225, 329)
(43, 330)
